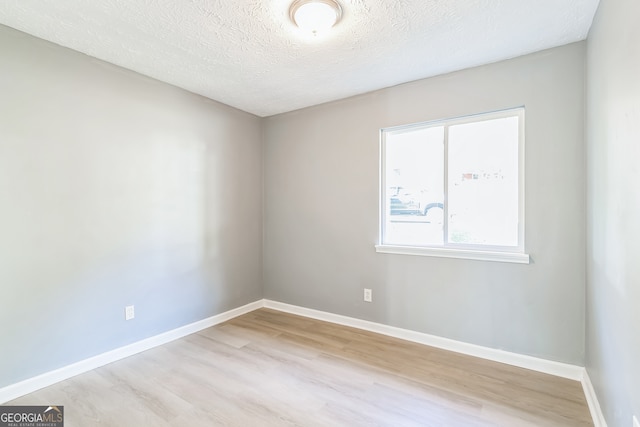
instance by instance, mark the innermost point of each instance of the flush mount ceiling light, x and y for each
(315, 16)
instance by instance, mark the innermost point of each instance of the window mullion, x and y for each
(445, 190)
(383, 208)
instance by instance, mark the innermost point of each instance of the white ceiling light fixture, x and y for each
(315, 16)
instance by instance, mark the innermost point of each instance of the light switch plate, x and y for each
(636, 423)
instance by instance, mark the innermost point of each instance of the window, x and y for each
(455, 188)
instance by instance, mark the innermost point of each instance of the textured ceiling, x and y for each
(248, 54)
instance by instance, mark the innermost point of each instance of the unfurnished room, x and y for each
(320, 213)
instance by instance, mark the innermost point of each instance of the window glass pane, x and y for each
(483, 183)
(414, 187)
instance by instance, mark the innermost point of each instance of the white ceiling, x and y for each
(248, 54)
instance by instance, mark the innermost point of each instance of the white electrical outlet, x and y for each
(129, 312)
(636, 423)
(368, 295)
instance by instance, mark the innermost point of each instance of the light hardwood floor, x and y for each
(268, 368)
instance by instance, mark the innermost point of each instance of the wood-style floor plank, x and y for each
(269, 368)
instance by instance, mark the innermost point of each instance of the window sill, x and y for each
(514, 257)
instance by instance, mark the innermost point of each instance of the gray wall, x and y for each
(321, 212)
(613, 209)
(116, 189)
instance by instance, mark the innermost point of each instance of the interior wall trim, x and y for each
(564, 370)
(559, 369)
(592, 401)
(46, 379)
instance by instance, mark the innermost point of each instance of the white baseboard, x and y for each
(536, 364)
(592, 401)
(30, 385)
(564, 370)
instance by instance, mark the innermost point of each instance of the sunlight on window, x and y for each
(415, 184)
(454, 183)
(483, 183)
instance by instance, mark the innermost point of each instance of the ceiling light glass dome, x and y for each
(315, 16)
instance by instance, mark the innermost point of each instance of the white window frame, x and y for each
(515, 254)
